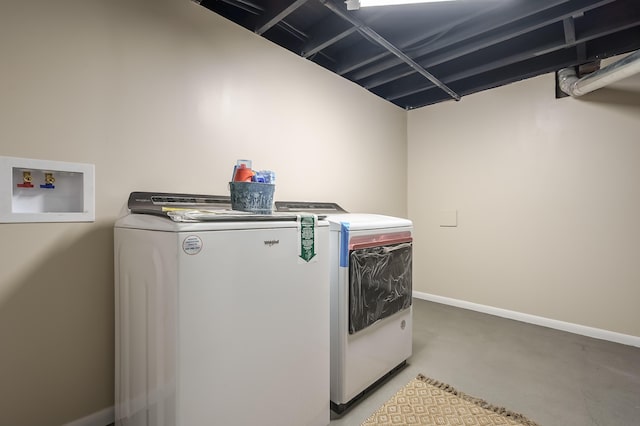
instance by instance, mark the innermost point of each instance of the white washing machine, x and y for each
(371, 298)
(222, 317)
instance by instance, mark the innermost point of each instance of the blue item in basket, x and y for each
(264, 176)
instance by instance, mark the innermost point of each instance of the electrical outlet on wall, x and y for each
(448, 218)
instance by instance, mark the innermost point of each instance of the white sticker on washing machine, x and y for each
(192, 244)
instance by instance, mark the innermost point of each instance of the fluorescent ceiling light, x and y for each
(370, 3)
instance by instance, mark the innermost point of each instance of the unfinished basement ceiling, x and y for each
(422, 54)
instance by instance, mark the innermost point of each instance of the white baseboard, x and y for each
(101, 418)
(596, 333)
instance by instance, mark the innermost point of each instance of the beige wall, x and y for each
(160, 95)
(164, 95)
(548, 199)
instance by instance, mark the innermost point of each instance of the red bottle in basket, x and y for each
(243, 174)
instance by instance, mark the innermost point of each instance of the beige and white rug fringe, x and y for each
(478, 401)
(515, 417)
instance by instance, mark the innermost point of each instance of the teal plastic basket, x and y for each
(254, 197)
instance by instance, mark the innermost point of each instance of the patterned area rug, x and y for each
(425, 401)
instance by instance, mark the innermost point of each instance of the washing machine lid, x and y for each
(175, 212)
(157, 223)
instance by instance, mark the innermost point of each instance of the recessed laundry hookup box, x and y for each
(46, 191)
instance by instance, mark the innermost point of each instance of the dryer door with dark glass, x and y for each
(380, 278)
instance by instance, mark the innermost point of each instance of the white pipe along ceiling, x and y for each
(572, 85)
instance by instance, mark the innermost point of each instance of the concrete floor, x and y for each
(550, 376)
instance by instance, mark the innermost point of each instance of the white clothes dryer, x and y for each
(371, 298)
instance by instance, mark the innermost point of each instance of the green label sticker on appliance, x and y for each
(307, 237)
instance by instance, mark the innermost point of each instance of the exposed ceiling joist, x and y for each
(326, 33)
(276, 16)
(361, 27)
(569, 30)
(417, 55)
(482, 39)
